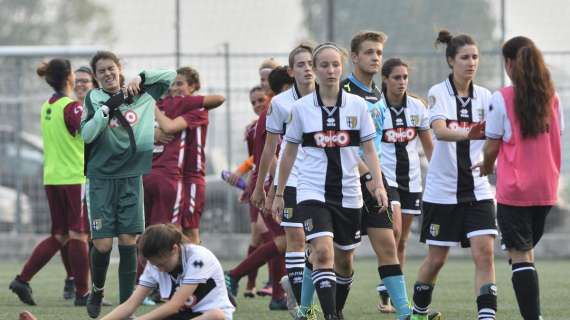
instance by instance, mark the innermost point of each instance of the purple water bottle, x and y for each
(241, 182)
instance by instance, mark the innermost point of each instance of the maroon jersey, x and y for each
(250, 136)
(170, 159)
(195, 160)
(71, 114)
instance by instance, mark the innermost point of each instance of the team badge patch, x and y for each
(351, 122)
(308, 225)
(415, 120)
(431, 101)
(434, 229)
(288, 213)
(97, 224)
(481, 114)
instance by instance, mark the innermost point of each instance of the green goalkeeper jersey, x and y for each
(110, 154)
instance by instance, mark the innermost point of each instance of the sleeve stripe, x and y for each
(194, 281)
(147, 284)
(437, 117)
(368, 137)
(493, 135)
(271, 130)
(292, 140)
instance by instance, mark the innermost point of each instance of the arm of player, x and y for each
(443, 133)
(427, 143)
(157, 82)
(213, 101)
(173, 305)
(373, 164)
(287, 161)
(92, 128)
(267, 156)
(490, 153)
(127, 308)
(192, 119)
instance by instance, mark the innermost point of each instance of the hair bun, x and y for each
(444, 36)
(42, 69)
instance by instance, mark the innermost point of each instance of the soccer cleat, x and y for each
(68, 289)
(249, 293)
(81, 301)
(430, 316)
(278, 304)
(340, 315)
(309, 313)
(23, 290)
(291, 302)
(266, 291)
(232, 284)
(435, 316)
(94, 302)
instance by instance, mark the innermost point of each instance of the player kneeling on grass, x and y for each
(189, 277)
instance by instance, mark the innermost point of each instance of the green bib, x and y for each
(63, 152)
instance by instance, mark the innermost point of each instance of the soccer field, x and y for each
(453, 295)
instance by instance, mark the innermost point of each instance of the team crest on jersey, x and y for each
(415, 120)
(130, 116)
(481, 113)
(351, 122)
(288, 213)
(308, 225)
(434, 229)
(431, 101)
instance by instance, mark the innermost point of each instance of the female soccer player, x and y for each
(63, 180)
(118, 126)
(524, 124)
(189, 277)
(457, 203)
(406, 120)
(331, 125)
(84, 81)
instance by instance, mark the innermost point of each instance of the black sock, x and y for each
(343, 285)
(127, 271)
(487, 302)
(325, 285)
(525, 283)
(99, 265)
(422, 297)
(295, 263)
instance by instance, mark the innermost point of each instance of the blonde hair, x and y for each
(269, 63)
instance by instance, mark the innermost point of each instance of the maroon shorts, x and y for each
(253, 213)
(274, 227)
(194, 197)
(66, 208)
(162, 199)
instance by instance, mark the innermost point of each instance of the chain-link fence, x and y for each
(23, 206)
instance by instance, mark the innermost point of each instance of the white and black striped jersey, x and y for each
(450, 179)
(400, 157)
(199, 266)
(278, 116)
(331, 137)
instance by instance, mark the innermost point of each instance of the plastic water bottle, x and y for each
(242, 184)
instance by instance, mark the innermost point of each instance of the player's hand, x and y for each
(233, 179)
(483, 170)
(134, 86)
(277, 208)
(477, 131)
(381, 197)
(244, 196)
(258, 198)
(164, 138)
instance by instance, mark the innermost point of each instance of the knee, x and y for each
(436, 262)
(280, 243)
(295, 240)
(83, 237)
(322, 255)
(483, 257)
(343, 263)
(103, 246)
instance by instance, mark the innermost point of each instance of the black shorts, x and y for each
(449, 225)
(410, 202)
(290, 215)
(371, 217)
(521, 227)
(184, 315)
(325, 220)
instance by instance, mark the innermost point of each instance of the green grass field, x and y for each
(453, 294)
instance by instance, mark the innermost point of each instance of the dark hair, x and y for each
(453, 43)
(532, 84)
(100, 55)
(159, 239)
(255, 88)
(86, 69)
(389, 66)
(192, 76)
(56, 73)
(362, 36)
(279, 77)
(303, 47)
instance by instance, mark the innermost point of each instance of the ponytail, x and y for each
(532, 83)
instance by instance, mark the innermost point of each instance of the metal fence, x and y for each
(23, 206)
